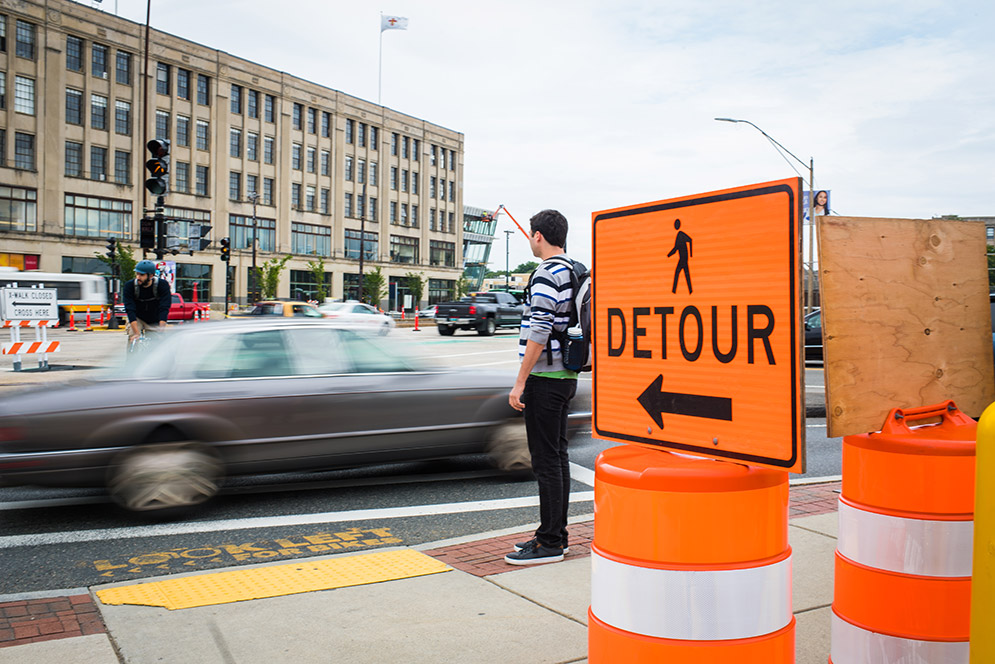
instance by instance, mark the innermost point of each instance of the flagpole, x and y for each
(380, 62)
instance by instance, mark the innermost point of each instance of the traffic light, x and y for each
(146, 233)
(158, 167)
(111, 248)
(198, 240)
(225, 249)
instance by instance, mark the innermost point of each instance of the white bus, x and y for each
(75, 292)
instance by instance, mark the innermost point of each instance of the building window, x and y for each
(3, 142)
(203, 135)
(373, 174)
(302, 284)
(441, 290)
(3, 33)
(297, 115)
(404, 148)
(352, 242)
(373, 209)
(98, 60)
(404, 179)
(203, 90)
(324, 201)
(452, 159)
(452, 224)
(25, 40)
(236, 99)
(267, 191)
(74, 159)
(347, 205)
(414, 183)
(393, 178)
(162, 122)
(3, 90)
(24, 151)
(88, 216)
(325, 161)
(253, 104)
(295, 156)
(452, 191)
(18, 209)
(295, 196)
(241, 230)
(74, 106)
(269, 109)
(360, 206)
(123, 68)
(431, 219)
(393, 144)
(311, 159)
(373, 138)
(361, 171)
(235, 143)
(234, 186)
(404, 214)
(201, 184)
(122, 167)
(326, 123)
(183, 83)
(74, 53)
(162, 78)
(251, 185)
(252, 146)
(393, 212)
(98, 163)
(442, 253)
(361, 135)
(312, 120)
(183, 131)
(183, 177)
(188, 274)
(309, 239)
(403, 249)
(24, 95)
(98, 112)
(415, 144)
(122, 118)
(414, 216)
(350, 128)
(267, 149)
(348, 169)
(433, 155)
(309, 196)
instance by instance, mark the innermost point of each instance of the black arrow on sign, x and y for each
(656, 402)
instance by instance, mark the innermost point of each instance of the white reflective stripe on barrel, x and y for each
(699, 605)
(909, 546)
(853, 645)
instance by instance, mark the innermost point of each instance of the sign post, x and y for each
(29, 307)
(697, 331)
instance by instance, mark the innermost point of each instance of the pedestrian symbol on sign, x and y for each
(682, 247)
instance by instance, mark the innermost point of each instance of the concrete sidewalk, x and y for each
(483, 610)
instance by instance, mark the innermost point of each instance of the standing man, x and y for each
(146, 301)
(544, 388)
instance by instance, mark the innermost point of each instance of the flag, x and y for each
(393, 23)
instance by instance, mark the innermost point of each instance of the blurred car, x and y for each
(427, 313)
(813, 336)
(358, 315)
(284, 308)
(244, 397)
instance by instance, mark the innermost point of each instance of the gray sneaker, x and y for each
(522, 545)
(534, 554)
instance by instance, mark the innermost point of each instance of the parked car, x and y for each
(180, 309)
(358, 315)
(428, 312)
(813, 336)
(483, 312)
(284, 308)
(242, 397)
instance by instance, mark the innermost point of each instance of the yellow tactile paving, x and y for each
(276, 580)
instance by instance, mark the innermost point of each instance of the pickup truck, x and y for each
(180, 309)
(483, 312)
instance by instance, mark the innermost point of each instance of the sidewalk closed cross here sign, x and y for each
(697, 330)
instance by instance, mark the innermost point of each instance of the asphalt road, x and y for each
(61, 539)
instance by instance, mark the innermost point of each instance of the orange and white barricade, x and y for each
(690, 561)
(904, 554)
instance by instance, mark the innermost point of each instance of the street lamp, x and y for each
(254, 197)
(507, 264)
(811, 202)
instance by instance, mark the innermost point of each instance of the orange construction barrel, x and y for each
(906, 528)
(690, 561)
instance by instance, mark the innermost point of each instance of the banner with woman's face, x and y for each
(821, 203)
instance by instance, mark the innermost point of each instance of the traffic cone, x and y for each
(101, 321)
(72, 321)
(89, 325)
(402, 314)
(416, 322)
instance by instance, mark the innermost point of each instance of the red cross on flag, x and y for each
(393, 23)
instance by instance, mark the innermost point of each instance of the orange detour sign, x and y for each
(697, 329)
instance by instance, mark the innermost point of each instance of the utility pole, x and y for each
(507, 263)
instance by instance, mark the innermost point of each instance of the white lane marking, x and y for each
(581, 474)
(483, 352)
(491, 364)
(160, 530)
(815, 480)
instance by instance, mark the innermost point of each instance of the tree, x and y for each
(269, 275)
(125, 259)
(991, 269)
(494, 275)
(526, 267)
(416, 285)
(317, 269)
(462, 286)
(374, 286)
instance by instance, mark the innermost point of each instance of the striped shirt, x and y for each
(547, 308)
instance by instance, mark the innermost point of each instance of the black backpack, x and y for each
(575, 350)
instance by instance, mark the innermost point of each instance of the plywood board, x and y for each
(905, 318)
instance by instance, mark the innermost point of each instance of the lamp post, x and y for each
(811, 202)
(507, 264)
(254, 197)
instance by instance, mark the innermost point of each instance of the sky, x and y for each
(585, 106)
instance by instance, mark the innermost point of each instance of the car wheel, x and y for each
(447, 330)
(487, 328)
(508, 447)
(168, 476)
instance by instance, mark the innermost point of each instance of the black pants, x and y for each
(547, 403)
